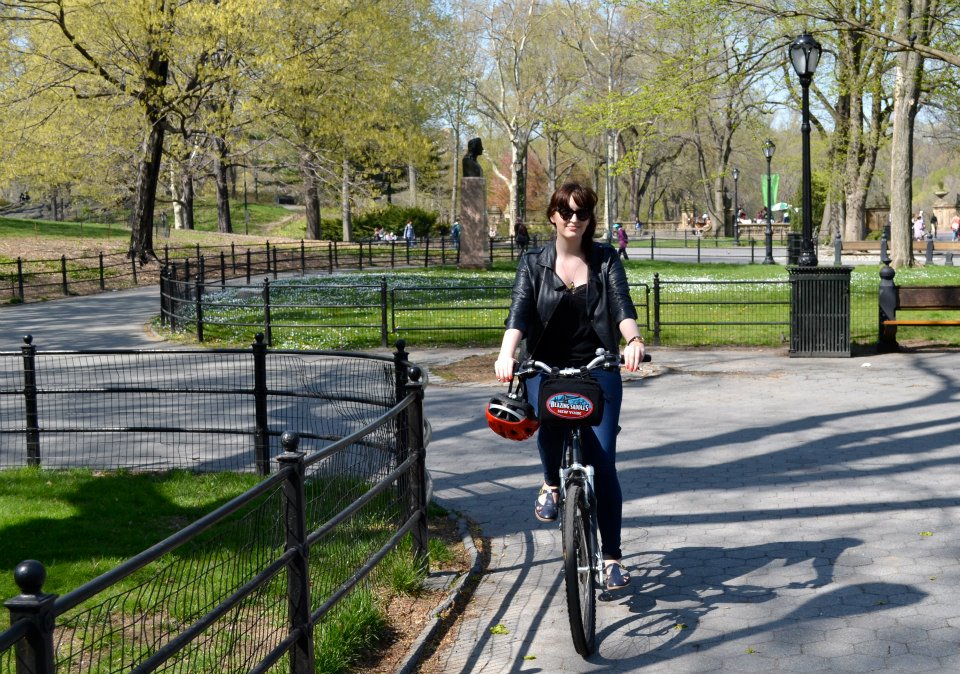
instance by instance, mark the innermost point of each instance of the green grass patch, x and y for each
(10, 227)
(291, 227)
(355, 626)
(261, 215)
(80, 524)
(701, 305)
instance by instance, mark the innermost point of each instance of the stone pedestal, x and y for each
(474, 239)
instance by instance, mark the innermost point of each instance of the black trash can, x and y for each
(820, 312)
(793, 247)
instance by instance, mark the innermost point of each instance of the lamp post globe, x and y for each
(736, 207)
(805, 54)
(768, 150)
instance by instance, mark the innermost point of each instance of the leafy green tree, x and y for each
(340, 83)
(142, 60)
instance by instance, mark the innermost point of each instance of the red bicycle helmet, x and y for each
(511, 416)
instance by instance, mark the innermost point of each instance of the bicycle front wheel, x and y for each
(579, 570)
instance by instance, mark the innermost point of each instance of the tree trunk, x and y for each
(311, 198)
(517, 155)
(148, 168)
(911, 20)
(176, 195)
(553, 141)
(412, 185)
(224, 224)
(345, 214)
(719, 220)
(455, 173)
(610, 184)
(901, 160)
(186, 197)
(145, 191)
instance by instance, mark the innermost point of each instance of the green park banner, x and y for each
(774, 184)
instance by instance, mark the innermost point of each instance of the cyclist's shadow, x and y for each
(695, 581)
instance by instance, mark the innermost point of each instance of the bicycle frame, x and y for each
(584, 568)
(574, 470)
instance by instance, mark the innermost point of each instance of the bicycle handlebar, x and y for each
(608, 360)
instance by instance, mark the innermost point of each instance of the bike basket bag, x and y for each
(571, 401)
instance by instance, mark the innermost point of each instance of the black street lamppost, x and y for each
(736, 207)
(805, 55)
(768, 149)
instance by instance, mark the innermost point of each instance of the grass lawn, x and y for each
(298, 327)
(80, 524)
(11, 228)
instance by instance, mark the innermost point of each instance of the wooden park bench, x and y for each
(874, 246)
(894, 298)
(860, 246)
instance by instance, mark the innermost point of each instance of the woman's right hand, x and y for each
(503, 367)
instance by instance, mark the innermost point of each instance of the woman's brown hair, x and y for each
(583, 197)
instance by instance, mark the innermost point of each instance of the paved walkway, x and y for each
(110, 320)
(781, 515)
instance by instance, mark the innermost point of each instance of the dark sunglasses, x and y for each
(567, 213)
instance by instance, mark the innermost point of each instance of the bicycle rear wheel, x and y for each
(579, 570)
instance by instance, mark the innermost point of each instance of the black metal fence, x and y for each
(356, 313)
(742, 313)
(687, 246)
(26, 280)
(197, 409)
(244, 588)
(353, 312)
(698, 312)
(23, 280)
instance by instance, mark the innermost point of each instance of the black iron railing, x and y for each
(36, 279)
(196, 409)
(244, 587)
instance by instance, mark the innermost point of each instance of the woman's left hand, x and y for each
(633, 355)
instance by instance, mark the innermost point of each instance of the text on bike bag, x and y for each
(571, 400)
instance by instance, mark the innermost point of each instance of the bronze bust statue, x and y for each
(471, 167)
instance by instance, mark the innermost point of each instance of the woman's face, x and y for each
(571, 221)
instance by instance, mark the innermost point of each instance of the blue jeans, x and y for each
(599, 450)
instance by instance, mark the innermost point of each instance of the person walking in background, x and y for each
(408, 232)
(522, 237)
(933, 225)
(455, 233)
(918, 227)
(638, 228)
(955, 227)
(621, 241)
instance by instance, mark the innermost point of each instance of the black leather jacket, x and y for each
(537, 291)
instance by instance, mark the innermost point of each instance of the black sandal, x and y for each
(545, 508)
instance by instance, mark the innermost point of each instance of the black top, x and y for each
(570, 339)
(537, 292)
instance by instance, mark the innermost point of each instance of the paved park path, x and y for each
(781, 515)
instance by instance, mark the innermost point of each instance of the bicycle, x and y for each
(570, 397)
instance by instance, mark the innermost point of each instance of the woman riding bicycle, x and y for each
(570, 298)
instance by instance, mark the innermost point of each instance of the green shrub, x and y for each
(393, 219)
